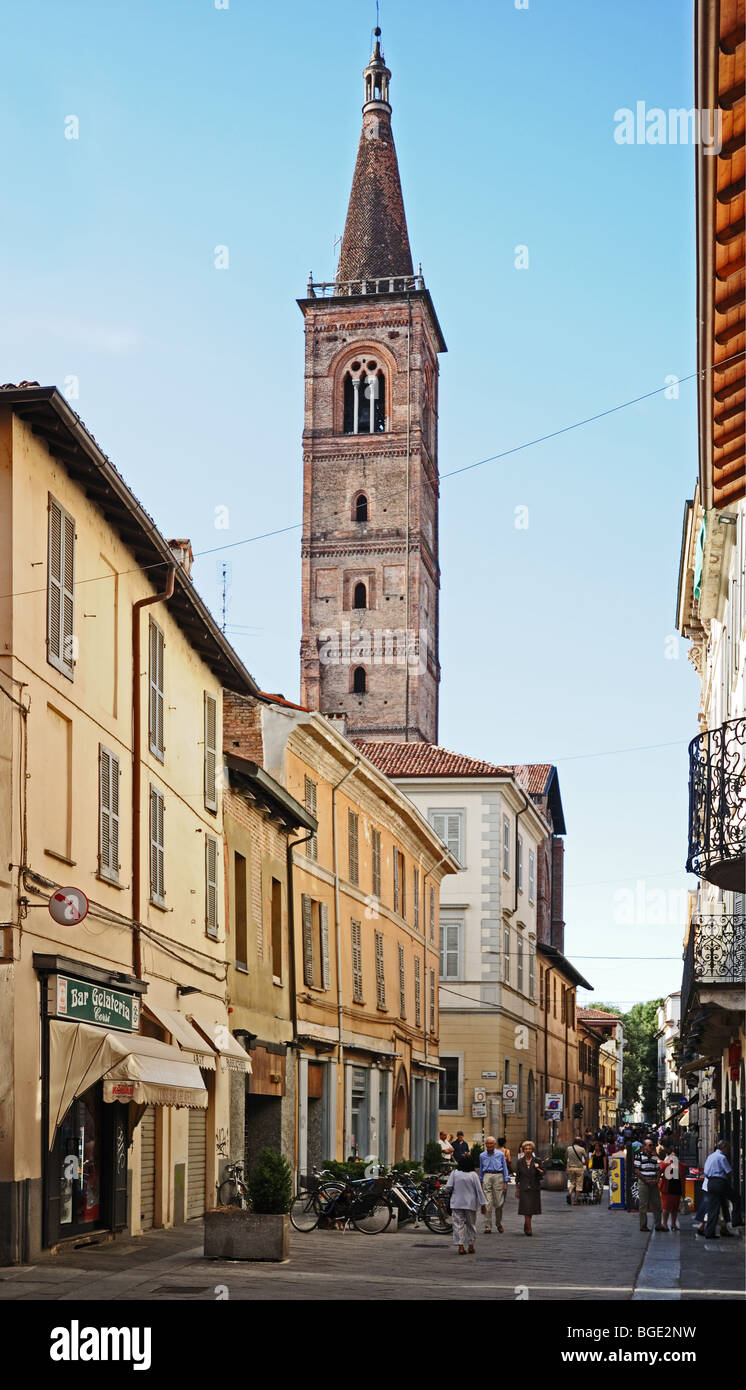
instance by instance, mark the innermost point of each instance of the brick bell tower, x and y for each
(369, 647)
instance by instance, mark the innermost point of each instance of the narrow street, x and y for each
(586, 1253)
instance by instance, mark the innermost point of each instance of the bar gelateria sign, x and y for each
(85, 1002)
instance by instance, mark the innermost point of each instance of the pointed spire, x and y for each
(375, 241)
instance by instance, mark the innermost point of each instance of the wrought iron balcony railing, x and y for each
(715, 954)
(380, 284)
(717, 805)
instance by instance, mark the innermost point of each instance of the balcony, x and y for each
(717, 805)
(714, 971)
(351, 289)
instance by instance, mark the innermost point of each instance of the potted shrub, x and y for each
(554, 1170)
(433, 1160)
(263, 1232)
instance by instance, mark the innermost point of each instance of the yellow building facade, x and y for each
(111, 676)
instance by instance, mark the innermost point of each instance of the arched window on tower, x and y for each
(360, 597)
(360, 508)
(364, 398)
(359, 681)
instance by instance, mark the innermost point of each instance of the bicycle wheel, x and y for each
(304, 1213)
(437, 1217)
(376, 1219)
(228, 1195)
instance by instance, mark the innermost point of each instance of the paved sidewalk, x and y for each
(584, 1253)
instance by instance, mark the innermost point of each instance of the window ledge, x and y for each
(160, 903)
(241, 968)
(63, 858)
(277, 981)
(112, 882)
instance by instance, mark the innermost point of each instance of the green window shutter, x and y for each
(211, 752)
(357, 962)
(211, 885)
(324, 934)
(307, 919)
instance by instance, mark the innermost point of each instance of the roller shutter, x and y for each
(196, 1163)
(147, 1168)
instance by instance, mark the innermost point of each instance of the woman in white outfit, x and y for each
(467, 1197)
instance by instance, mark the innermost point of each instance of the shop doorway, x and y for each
(196, 1163)
(400, 1123)
(80, 1139)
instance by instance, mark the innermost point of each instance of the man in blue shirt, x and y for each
(493, 1175)
(717, 1173)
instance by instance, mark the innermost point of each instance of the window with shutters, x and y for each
(402, 985)
(506, 955)
(312, 847)
(396, 879)
(506, 845)
(276, 931)
(241, 917)
(519, 968)
(357, 962)
(432, 912)
(380, 976)
(211, 885)
(157, 848)
(316, 957)
(157, 704)
(449, 827)
(541, 988)
(403, 884)
(211, 752)
(451, 935)
(531, 975)
(432, 1001)
(108, 814)
(352, 846)
(531, 876)
(60, 590)
(416, 897)
(417, 993)
(376, 862)
(323, 924)
(308, 952)
(554, 998)
(519, 865)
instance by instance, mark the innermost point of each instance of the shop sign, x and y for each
(85, 1002)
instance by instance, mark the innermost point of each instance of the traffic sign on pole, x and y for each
(68, 906)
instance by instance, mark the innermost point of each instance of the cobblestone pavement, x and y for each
(583, 1253)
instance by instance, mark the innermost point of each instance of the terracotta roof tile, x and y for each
(375, 241)
(426, 760)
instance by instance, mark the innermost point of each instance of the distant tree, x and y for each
(640, 1075)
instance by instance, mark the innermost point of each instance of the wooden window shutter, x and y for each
(357, 962)
(211, 752)
(403, 884)
(211, 885)
(324, 934)
(108, 800)
(376, 841)
(416, 896)
(352, 844)
(402, 985)
(380, 976)
(312, 847)
(396, 879)
(432, 913)
(156, 681)
(417, 993)
(157, 846)
(60, 590)
(432, 1001)
(307, 918)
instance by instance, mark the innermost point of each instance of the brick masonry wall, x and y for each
(242, 727)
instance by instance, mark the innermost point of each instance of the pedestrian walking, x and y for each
(528, 1176)
(648, 1171)
(717, 1174)
(503, 1149)
(467, 1198)
(575, 1160)
(493, 1175)
(460, 1146)
(670, 1186)
(598, 1164)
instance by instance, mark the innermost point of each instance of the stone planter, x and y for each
(233, 1234)
(555, 1180)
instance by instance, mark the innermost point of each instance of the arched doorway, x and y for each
(400, 1116)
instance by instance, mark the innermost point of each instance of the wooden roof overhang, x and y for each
(719, 91)
(50, 417)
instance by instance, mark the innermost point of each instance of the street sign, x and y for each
(510, 1095)
(479, 1110)
(68, 906)
(554, 1104)
(489, 1076)
(480, 1095)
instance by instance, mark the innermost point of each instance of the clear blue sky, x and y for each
(201, 127)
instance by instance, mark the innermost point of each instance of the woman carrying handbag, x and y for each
(528, 1176)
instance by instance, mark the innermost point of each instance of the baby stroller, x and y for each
(586, 1196)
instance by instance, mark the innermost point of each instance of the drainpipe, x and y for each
(546, 1025)
(137, 764)
(406, 572)
(294, 975)
(337, 933)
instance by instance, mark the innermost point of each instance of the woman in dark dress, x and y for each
(528, 1176)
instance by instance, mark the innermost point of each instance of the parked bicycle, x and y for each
(424, 1201)
(232, 1190)
(361, 1204)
